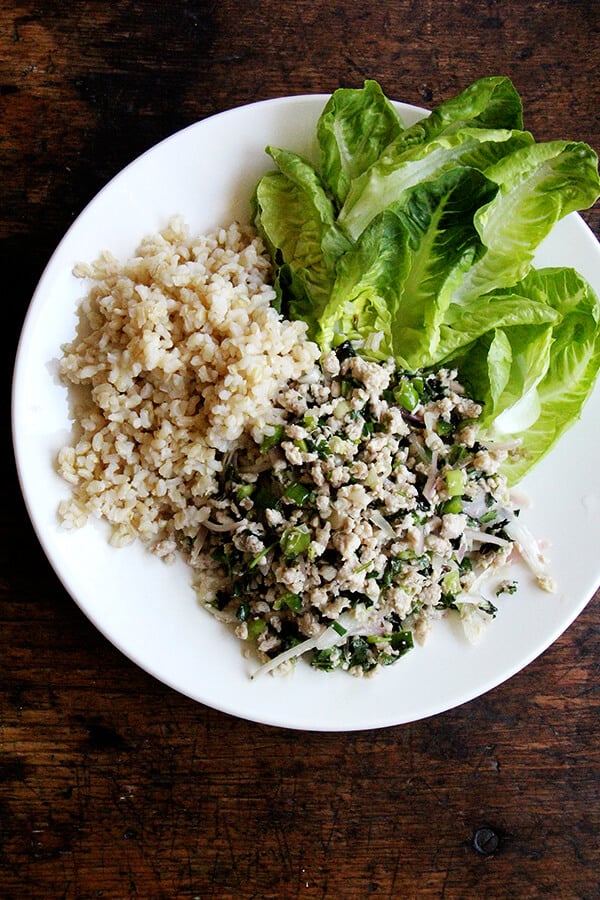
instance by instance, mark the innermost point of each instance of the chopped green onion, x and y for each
(451, 583)
(342, 409)
(255, 561)
(323, 449)
(452, 506)
(255, 628)
(297, 492)
(245, 490)
(418, 384)
(406, 396)
(327, 660)
(295, 541)
(271, 440)
(339, 628)
(455, 482)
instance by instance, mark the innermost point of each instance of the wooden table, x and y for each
(113, 785)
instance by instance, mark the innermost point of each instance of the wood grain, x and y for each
(114, 786)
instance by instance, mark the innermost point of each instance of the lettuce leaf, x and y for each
(296, 219)
(556, 381)
(353, 130)
(538, 185)
(397, 280)
(395, 172)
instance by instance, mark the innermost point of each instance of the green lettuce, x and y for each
(394, 173)
(396, 282)
(538, 185)
(355, 127)
(547, 372)
(296, 218)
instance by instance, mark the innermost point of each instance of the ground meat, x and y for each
(351, 512)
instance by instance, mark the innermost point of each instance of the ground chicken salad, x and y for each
(325, 412)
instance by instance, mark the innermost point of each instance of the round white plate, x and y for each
(148, 609)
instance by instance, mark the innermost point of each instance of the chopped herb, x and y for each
(243, 612)
(327, 660)
(402, 641)
(487, 607)
(444, 428)
(507, 587)
(289, 600)
(221, 600)
(345, 350)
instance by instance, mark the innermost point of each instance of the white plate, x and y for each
(148, 609)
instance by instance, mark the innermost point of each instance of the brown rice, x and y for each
(179, 350)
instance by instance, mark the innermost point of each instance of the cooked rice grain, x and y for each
(179, 351)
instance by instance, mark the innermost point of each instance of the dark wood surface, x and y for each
(111, 784)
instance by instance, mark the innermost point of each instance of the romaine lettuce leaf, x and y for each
(573, 366)
(490, 102)
(353, 130)
(538, 185)
(297, 222)
(463, 325)
(396, 280)
(393, 174)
